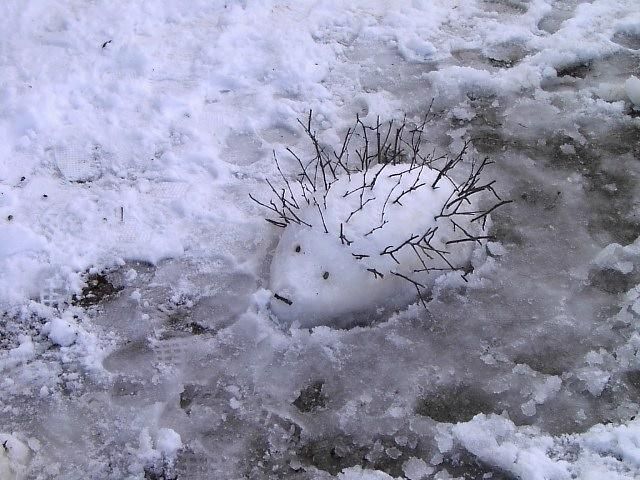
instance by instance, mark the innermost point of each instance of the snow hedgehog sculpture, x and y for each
(370, 228)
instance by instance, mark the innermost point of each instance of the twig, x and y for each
(487, 212)
(343, 238)
(322, 217)
(415, 284)
(376, 273)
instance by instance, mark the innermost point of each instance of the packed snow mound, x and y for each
(604, 451)
(366, 239)
(61, 332)
(14, 458)
(318, 274)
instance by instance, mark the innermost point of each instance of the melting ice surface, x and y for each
(129, 142)
(340, 275)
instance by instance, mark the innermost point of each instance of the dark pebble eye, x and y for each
(325, 275)
(297, 248)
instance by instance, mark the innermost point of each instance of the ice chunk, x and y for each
(14, 457)
(415, 49)
(416, 469)
(632, 87)
(529, 408)
(615, 256)
(168, 442)
(594, 378)
(496, 249)
(359, 473)
(547, 389)
(62, 332)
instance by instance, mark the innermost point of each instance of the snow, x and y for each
(595, 379)
(168, 442)
(358, 473)
(131, 135)
(14, 457)
(26, 350)
(632, 87)
(496, 249)
(495, 440)
(416, 469)
(318, 272)
(529, 455)
(617, 257)
(16, 239)
(62, 332)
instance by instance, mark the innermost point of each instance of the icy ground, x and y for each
(135, 341)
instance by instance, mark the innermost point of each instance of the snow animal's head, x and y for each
(361, 240)
(315, 279)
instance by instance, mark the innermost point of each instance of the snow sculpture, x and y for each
(370, 228)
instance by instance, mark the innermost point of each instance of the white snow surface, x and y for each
(131, 134)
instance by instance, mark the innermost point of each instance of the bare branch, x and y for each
(384, 222)
(343, 238)
(483, 215)
(376, 273)
(415, 284)
(322, 217)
